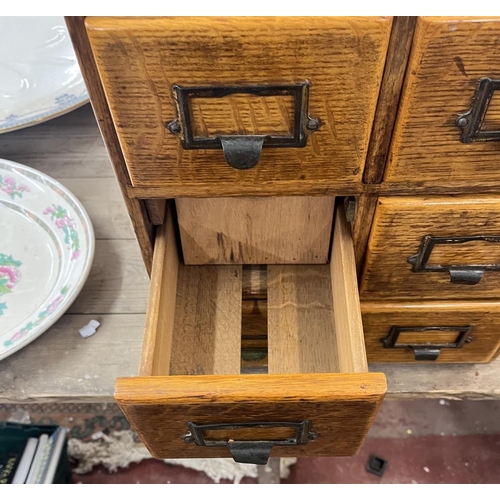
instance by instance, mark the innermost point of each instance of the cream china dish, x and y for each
(39, 74)
(46, 252)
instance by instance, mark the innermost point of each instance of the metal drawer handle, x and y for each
(463, 275)
(251, 452)
(427, 351)
(243, 151)
(472, 121)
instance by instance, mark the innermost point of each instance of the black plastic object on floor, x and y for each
(376, 465)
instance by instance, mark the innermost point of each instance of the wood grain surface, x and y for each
(272, 230)
(156, 210)
(449, 56)
(159, 328)
(379, 317)
(242, 114)
(207, 328)
(361, 227)
(398, 54)
(340, 406)
(399, 225)
(139, 60)
(301, 333)
(347, 314)
(296, 188)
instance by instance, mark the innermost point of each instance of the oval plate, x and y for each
(41, 78)
(46, 252)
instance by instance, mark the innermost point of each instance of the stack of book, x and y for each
(32, 454)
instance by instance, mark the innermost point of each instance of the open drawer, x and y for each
(191, 399)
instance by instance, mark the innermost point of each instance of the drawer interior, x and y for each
(201, 318)
(232, 344)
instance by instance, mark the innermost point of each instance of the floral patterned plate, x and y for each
(46, 252)
(40, 77)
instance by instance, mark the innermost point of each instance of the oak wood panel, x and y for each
(139, 60)
(272, 230)
(398, 54)
(399, 225)
(448, 58)
(156, 210)
(492, 118)
(242, 114)
(341, 407)
(301, 333)
(361, 227)
(347, 314)
(424, 337)
(379, 317)
(298, 188)
(144, 230)
(159, 328)
(207, 328)
(469, 253)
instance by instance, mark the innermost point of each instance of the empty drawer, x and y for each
(191, 398)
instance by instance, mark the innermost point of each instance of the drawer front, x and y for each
(439, 332)
(339, 407)
(300, 91)
(448, 125)
(433, 248)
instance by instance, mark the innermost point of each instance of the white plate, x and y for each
(46, 252)
(39, 74)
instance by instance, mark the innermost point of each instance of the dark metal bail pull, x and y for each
(466, 276)
(242, 151)
(250, 452)
(426, 353)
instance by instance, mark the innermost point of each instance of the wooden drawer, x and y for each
(179, 89)
(317, 390)
(439, 332)
(433, 248)
(451, 60)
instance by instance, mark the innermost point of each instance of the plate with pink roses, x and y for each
(46, 252)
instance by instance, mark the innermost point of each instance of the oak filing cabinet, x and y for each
(293, 182)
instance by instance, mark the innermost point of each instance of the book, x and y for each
(23, 468)
(55, 455)
(43, 441)
(9, 461)
(45, 458)
(49, 461)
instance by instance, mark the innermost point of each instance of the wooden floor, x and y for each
(61, 366)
